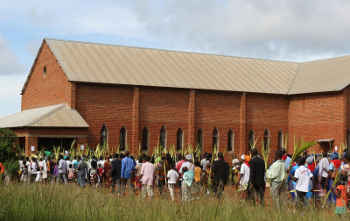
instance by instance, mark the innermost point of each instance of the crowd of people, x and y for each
(308, 178)
(122, 172)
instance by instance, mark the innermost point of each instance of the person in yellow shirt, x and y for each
(197, 178)
(197, 173)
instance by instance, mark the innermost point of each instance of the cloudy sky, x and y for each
(296, 30)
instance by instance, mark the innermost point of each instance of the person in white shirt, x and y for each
(29, 167)
(68, 161)
(172, 176)
(205, 161)
(35, 170)
(303, 177)
(62, 169)
(187, 163)
(43, 168)
(323, 171)
(101, 161)
(244, 174)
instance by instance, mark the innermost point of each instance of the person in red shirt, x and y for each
(100, 172)
(335, 160)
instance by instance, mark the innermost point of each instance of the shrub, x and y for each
(8, 145)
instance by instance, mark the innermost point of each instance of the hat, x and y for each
(242, 157)
(188, 157)
(310, 160)
(234, 161)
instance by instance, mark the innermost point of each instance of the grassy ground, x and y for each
(59, 202)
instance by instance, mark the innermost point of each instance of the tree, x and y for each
(8, 145)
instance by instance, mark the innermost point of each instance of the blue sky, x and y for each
(295, 30)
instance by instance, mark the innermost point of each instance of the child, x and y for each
(172, 176)
(70, 173)
(100, 172)
(186, 184)
(340, 193)
(24, 175)
(303, 178)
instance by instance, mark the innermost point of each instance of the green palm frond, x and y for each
(300, 147)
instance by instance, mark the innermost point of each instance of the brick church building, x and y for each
(128, 96)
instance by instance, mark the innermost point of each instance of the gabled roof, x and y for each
(101, 63)
(113, 64)
(322, 76)
(51, 116)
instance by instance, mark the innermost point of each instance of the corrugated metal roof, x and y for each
(113, 64)
(322, 76)
(51, 116)
(100, 63)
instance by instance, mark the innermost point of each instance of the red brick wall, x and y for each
(311, 116)
(317, 116)
(162, 106)
(52, 88)
(267, 112)
(346, 95)
(109, 105)
(220, 110)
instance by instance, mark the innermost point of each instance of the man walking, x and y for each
(128, 166)
(116, 172)
(147, 177)
(257, 177)
(82, 172)
(62, 169)
(220, 175)
(276, 174)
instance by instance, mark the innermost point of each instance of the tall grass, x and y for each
(58, 202)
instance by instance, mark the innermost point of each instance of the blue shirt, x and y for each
(128, 165)
(287, 162)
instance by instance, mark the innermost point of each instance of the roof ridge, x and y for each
(170, 50)
(294, 78)
(59, 106)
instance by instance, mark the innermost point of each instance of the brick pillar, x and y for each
(135, 130)
(191, 117)
(290, 131)
(29, 142)
(71, 99)
(242, 125)
(345, 118)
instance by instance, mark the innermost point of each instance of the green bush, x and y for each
(11, 168)
(8, 145)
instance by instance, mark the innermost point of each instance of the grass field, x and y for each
(59, 202)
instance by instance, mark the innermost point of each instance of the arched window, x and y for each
(251, 139)
(230, 140)
(280, 140)
(266, 139)
(179, 139)
(162, 137)
(200, 139)
(348, 138)
(144, 144)
(122, 139)
(215, 138)
(103, 135)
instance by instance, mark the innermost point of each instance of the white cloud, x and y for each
(10, 90)
(8, 60)
(283, 29)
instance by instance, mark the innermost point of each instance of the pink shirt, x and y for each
(147, 172)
